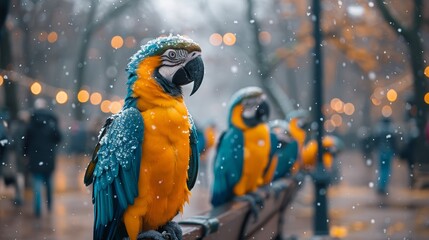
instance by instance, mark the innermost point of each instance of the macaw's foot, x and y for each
(151, 234)
(278, 188)
(171, 231)
(255, 201)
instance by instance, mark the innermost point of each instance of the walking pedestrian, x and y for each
(385, 142)
(41, 140)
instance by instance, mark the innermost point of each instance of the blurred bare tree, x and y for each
(93, 25)
(411, 32)
(6, 61)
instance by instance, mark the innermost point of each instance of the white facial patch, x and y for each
(168, 71)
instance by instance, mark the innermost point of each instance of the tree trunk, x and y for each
(10, 95)
(81, 61)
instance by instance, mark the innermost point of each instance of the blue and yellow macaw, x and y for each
(146, 161)
(287, 148)
(245, 157)
(297, 120)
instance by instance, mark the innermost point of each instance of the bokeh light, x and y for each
(379, 93)
(391, 95)
(427, 71)
(83, 96)
(426, 98)
(95, 98)
(1, 80)
(329, 126)
(215, 39)
(349, 108)
(115, 107)
(117, 42)
(130, 42)
(386, 111)
(375, 101)
(43, 36)
(337, 105)
(52, 37)
(265, 37)
(36, 88)
(105, 106)
(229, 39)
(61, 97)
(337, 120)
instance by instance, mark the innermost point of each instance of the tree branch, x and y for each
(393, 22)
(111, 14)
(418, 14)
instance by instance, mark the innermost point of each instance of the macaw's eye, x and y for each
(172, 54)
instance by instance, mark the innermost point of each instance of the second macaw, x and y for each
(245, 157)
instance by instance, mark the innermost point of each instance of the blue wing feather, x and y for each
(228, 166)
(194, 160)
(287, 156)
(116, 172)
(273, 151)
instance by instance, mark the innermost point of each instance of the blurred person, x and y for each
(16, 154)
(385, 142)
(407, 151)
(427, 130)
(78, 139)
(4, 141)
(41, 140)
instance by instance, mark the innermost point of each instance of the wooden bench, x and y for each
(235, 221)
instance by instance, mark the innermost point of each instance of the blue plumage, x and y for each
(228, 166)
(118, 163)
(247, 115)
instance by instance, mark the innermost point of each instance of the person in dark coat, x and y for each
(385, 141)
(41, 140)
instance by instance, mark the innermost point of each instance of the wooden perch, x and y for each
(235, 221)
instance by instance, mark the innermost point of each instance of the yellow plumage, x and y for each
(166, 151)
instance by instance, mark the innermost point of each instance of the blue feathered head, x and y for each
(180, 63)
(255, 106)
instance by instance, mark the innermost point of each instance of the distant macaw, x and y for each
(245, 157)
(287, 148)
(331, 144)
(206, 140)
(146, 161)
(298, 133)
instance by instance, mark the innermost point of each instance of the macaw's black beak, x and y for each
(263, 112)
(193, 71)
(261, 115)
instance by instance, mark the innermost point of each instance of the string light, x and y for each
(117, 42)
(95, 98)
(36, 88)
(229, 39)
(426, 98)
(391, 95)
(386, 111)
(83, 96)
(265, 37)
(427, 71)
(105, 106)
(52, 37)
(215, 39)
(349, 108)
(115, 107)
(61, 97)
